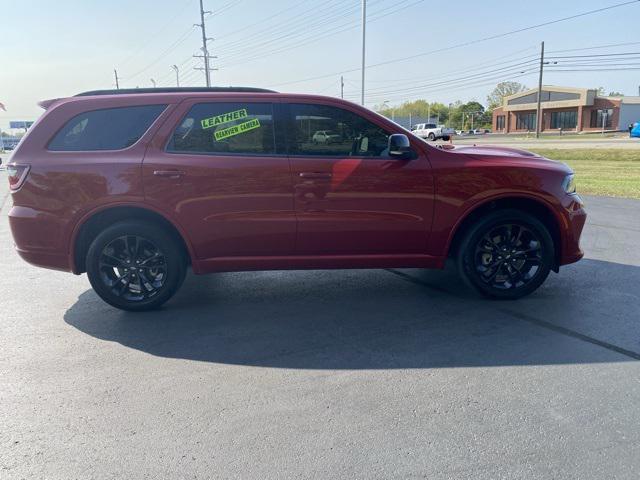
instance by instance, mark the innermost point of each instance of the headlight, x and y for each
(569, 184)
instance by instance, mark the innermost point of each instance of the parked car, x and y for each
(135, 186)
(326, 137)
(432, 132)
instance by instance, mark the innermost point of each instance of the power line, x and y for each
(467, 43)
(595, 47)
(598, 55)
(477, 66)
(458, 82)
(503, 70)
(263, 21)
(403, 96)
(246, 48)
(289, 26)
(153, 38)
(311, 38)
(181, 39)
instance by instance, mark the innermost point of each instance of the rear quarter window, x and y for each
(105, 129)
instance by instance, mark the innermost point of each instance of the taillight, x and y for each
(17, 175)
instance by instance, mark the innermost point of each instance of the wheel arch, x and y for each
(537, 207)
(94, 222)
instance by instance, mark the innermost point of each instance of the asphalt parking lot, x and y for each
(339, 374)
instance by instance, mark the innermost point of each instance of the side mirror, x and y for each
(399, 146)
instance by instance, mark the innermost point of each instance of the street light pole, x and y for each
(175, 67)
(364, 30)
(153, 82)
(538, 110)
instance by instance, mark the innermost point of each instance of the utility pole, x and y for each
(364, 36)
(341, 86)
(205, 50)
(115, 73)
(539, 109)
(175, 67)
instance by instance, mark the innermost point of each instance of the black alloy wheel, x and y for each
(507, 254)
(136, 265)
(133, 268)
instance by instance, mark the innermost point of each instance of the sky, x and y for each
(58, 48)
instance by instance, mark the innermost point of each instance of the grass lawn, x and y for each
(609, 172)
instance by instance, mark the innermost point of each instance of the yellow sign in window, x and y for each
(224, 118)
(237, 129)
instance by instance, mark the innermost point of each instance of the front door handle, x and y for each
(168, 173)
(315, 175)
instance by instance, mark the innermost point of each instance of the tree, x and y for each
(616, 94)
(503, 89)
(416, 108)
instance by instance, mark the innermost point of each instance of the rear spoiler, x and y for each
(47, 103)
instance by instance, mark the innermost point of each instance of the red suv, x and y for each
(133, 186)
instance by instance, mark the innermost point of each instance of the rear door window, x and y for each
(105, 129)
(225, 128)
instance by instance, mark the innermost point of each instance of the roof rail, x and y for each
(125, 91)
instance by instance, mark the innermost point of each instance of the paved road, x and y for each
(345, 374)
(590, 141)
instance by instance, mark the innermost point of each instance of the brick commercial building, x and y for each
(569, 109)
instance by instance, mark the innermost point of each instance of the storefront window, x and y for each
(564, 120)
(600, 116)
(526, 121)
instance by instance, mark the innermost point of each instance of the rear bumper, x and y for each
(45, 259)
(576, 217)
(38, 238)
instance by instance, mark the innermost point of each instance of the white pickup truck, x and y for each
(432, 131)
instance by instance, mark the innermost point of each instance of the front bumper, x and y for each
(575, 218)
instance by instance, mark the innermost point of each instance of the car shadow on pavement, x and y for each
(380, 319)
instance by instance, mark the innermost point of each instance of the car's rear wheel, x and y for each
(135, 266)
(507, 254)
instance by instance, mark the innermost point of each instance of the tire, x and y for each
(506, 262)
(432, 137)
(135, 266)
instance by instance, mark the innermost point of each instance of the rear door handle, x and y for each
(168, 173)
(316, 175)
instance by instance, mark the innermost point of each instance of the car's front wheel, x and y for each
(507, 254)
(432, 137)
(135, 265)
